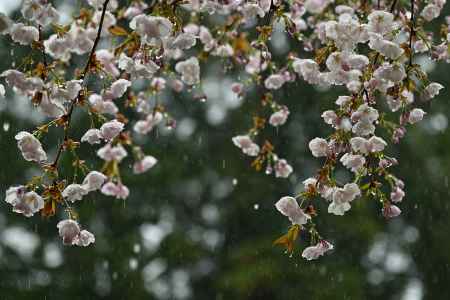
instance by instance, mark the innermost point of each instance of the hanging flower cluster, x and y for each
(366, 48)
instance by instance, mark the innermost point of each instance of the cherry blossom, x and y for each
(279, 117)
(391, 211)
(151, 29)
(30, 147)
(282, 168)
(189, 70)
(134, 58)
(144, 164)
(145, 126)
(112, 153)
(319, 147)
(84, 238)
(92, 136)
(23, 202)
(289, 207)
(74, 192)
(93, 181)
(416, 115)
(342, 198)
(118, 190)
(314, 252)
(245, 143)
(119, 87)
(23, 34)
(69, 231)
(111, 129)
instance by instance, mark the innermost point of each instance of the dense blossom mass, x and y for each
(135, 53)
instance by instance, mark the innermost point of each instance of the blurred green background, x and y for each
(200, 225)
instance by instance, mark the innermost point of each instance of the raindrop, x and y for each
(6, 126)
(235, 181)
(256, 206)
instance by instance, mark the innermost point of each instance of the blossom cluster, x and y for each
(140, 51)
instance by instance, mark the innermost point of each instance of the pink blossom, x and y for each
(30, 147)
(74, 192)
(118, 190)
(319, 147)
(93, 181)
(245, 143)
(279, 117)
(397, 194)
(110, 153)
(391, 211)
(189, 70)
(314, 252)
(289, 207)
(144, 164)
(84, 239)
(23, 202)
(69, 231)
(282, 168)
(111, 129)
(92, 136)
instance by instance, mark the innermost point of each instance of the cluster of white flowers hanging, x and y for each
(366, 47)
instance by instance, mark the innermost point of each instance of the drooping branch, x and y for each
(68, 116)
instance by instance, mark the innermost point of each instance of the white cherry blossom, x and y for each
(30, 147)
(319, 147)
(119, 87)
(279, 117)
(111, 129)
(69, 231)
(92, 136)
(274, 82)
(391, 211)
(118, 190)
(93, 181)
(74, 192)
(23, 202)
(189, 70)
(289, 207)
(24, 35)
(432, 90)
(144, 164)
(145, 126)
(151, 29)
(110, 153)
(416, 115)
(282, 168)
(314, 252)
(84, 239)
(246, 144)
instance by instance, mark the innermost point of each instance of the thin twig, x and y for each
(44, 56)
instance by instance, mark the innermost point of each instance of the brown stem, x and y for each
(68, 115)
(44, 56)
